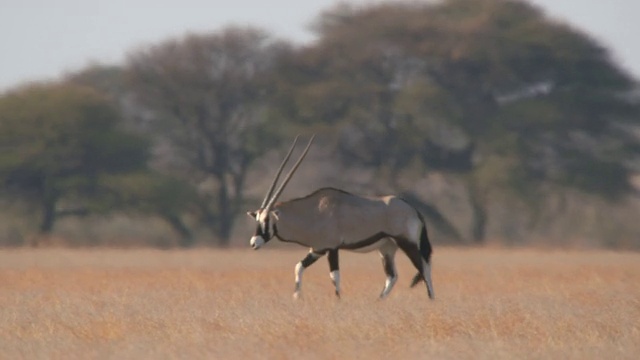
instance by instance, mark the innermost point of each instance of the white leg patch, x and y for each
(299, 269)
(388, 285)
(335, 277)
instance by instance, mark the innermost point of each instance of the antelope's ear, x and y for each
(276, 214)
(252, 214)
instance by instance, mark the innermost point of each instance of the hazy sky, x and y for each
(42, 39)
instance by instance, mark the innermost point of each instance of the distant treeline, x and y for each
(496, 121)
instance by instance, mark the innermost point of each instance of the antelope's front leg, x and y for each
(334, 269)
(311, 257)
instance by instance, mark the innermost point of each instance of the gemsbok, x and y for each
(329, 220)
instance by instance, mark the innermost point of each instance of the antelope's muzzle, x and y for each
(256, 242)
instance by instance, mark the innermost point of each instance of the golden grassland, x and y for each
(230, 304)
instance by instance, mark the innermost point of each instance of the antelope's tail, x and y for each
(425, 250)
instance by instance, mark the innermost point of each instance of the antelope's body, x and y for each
(334, 219)
(329, 220)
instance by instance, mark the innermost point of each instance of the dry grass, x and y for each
(491, 304)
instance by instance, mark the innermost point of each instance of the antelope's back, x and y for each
(360, 217)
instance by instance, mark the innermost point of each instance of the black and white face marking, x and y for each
(264, 229)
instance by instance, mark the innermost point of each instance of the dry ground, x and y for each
(491, 304)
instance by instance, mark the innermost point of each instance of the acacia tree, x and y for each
(493, 90)
(205, 97)
(57, 141)
(148, 191)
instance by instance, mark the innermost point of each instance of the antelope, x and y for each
(329, 220)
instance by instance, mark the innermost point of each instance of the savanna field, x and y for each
(233, 304)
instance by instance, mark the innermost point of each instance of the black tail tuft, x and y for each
(425, 245)
(416, 279)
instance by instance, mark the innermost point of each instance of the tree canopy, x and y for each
(206, 98)
(56, 141)
(494, 89)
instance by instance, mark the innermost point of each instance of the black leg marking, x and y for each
(389, 269)
(333, 260)
(310, 259)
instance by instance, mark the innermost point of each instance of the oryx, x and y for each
(329, 220)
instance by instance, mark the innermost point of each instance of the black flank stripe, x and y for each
(364, 243)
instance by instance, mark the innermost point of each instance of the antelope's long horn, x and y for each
(288, 177)
(275, 179)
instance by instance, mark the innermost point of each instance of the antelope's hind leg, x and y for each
(420, 261)
(311, 257)
(334, 268)
(388, 253)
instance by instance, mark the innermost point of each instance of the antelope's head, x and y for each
(266, 217)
